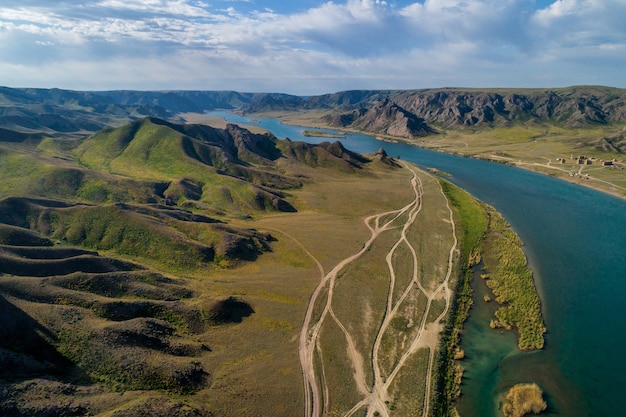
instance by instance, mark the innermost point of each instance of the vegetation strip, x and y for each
(488, 241)
(471, 216)
(510, 279)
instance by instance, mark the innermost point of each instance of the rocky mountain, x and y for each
(384, 117)
(569, 107)
(54, 110)
(451, 108)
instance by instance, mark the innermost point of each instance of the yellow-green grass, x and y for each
(433, 221)
(402, 330)
(403, 264)
(254, 365)
(523, 399)
(471, 216)
(25, 174)
(511, 281)
(321, 134)
(338, 369)
(127, 234)
(437, 307)
(362, 286)
(278, 286)
(34, 175)
(362, 289)
(408, 390)
(155, 152)
(140, 150)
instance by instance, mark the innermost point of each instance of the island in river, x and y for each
(322, 134)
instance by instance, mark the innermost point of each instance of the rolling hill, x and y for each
(136, 252)
(112, 248)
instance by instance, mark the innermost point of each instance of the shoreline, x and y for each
(394, 139)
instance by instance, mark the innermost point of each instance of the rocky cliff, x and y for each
(451, 108)
(384, 117)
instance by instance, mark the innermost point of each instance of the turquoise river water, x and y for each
(575, 241)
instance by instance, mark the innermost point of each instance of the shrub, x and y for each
(523, 399)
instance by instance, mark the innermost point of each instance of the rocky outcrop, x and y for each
(381, 155)
(461, 108)
(385, 118)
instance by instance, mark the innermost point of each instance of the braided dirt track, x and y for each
(425, 292)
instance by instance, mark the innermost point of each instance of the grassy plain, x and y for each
(278, 285)
(544, 148)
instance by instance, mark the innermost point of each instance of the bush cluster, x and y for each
(511, 281)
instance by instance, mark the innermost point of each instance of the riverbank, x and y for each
(472, 219)
(488, 244)
(609, 180)
(571, 242)
(538, 149)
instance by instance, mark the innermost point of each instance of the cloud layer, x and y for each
(312, 48)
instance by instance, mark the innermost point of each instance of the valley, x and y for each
(191, 270)
(216, 270)
(546, 148)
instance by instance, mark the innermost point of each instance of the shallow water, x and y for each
(575, 241)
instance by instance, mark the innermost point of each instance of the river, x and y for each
(575, 241)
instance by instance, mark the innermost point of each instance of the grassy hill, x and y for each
(131, 261)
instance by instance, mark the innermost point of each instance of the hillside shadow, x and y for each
(231, 310)
(26, 348)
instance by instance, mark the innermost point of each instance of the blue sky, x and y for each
(311, 47)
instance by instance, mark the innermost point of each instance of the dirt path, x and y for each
(375, 397)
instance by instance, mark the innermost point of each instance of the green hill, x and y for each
(132, 260)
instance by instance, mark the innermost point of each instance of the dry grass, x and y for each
(410, 402)
(538, 147)
(403, 329)
(524, 399)
(278, 286)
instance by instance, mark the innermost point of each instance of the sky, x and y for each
(311, 47)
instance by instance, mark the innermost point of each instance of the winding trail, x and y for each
(375, 397)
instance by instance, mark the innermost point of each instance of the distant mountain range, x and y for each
(403, 113)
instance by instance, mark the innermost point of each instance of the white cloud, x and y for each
(164, 7)
(159, 44)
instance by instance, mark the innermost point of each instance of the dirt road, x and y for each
(376, 396)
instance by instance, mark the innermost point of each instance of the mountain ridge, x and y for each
(29, 110)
